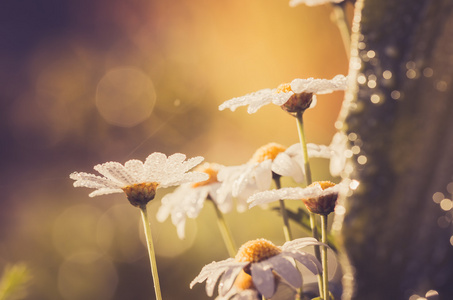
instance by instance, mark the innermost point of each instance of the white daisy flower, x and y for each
(256, 175)
(299, 91)
(319, 197)
(294, 3)
(140, 180)
(266, 263)
(188, 199)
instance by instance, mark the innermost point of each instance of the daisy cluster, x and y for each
(258, 268)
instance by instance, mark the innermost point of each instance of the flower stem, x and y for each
(152, 255)
(324, 256)
(303, 143)
(314, 230)
(286, 228)
(225, 232)
(339, 17)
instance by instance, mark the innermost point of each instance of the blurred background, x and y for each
(89, 81)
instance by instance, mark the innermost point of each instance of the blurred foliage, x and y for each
(14, 282)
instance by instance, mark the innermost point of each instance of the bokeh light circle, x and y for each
(74, 230)
(125, 97)
(87, 275)
(117, 233)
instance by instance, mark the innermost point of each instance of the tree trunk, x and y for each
(398, 115)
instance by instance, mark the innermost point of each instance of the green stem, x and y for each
(225, 232)
(324, 256)
(339, 17)
(152, 255)
(286, 228)
(314, 230)
(303, 143)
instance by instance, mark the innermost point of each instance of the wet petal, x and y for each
(135, 168)
(93, 181)
(286, 270)
(284, 165)
(115, 172)
(300, 243)
(104, 191)
(228, 279)
(308, 260)
(263, 279)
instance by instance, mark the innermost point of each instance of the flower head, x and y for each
(266, 263)
(188, 199)
(301, 89)
(324, 202)
(268, 161)
(140, 180)
(294, 3)
(319, 197)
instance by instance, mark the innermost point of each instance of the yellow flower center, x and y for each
(269, 151)
(140, 193)
(256, 251)
(284, 88)
(323, 184)
(211, 169)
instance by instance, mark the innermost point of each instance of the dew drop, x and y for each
(437, 197)
(428, 72)
(372, 77)
(353, 136)
(338, 125)
(446, 204)
(361, 45)
(371, 54)
(354, 184)
(410, 65)
(411, 74)
(387, 74)
(372, 84)
(362, 159)
(395, 95)
(355, 149)
(441, 86)
(450, 187)
(348, 153)
(375, 98)
(361, 79)
(451, 240)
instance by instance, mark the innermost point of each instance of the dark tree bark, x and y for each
(399, 113)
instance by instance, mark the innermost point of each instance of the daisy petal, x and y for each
(319, 86)
(228, 279)
(300, 243)
(104, 191)
(210, 269)
(263, 279)
(308, 260)
(116, 172)
(135, 168)
(92, 181)
(286, 270)
(284, 165)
